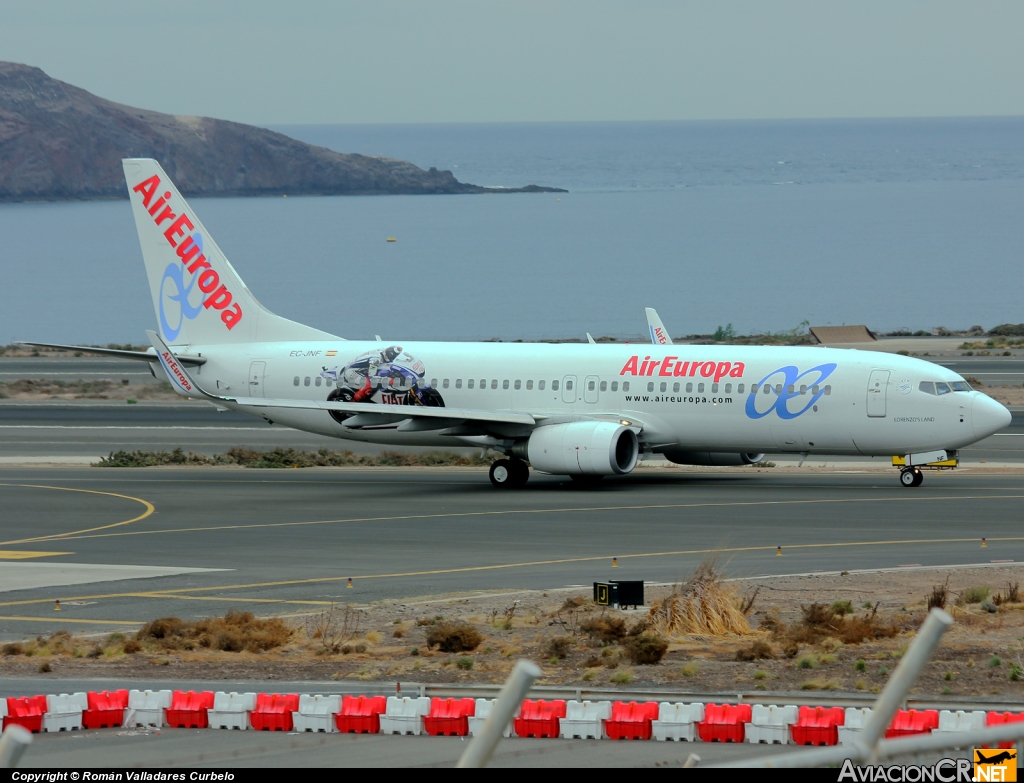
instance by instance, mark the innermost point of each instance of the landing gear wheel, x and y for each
(503, 474)
(911, 477)
(520, 472)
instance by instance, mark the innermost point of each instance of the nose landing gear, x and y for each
(510, 473)
(911, 477)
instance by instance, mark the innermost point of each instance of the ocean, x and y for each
(897, 224)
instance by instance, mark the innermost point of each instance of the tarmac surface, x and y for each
(288, 540)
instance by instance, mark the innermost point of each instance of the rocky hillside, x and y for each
(58, 141)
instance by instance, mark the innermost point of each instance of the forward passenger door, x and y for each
(878, 383)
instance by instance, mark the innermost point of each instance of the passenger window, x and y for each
(306, 381)
(529, 385)
(625, 386)
(469, 383)
(650, 386)
(803, 388)
(296, 381)
(318, 381)
(568, 385)
(790, 389)
(942, 388)
(483, 383)
(700, 388)
(675, 387)
(519, 385)
(458, 383)
(540, 385)
(444, 383)
(778, 388)
(664, 386)
(494, 384)
(554, 385)
(604, 385)
(615, 385)
(739, 389)
(828, 390)
(591, 385)
(767, 388)
(689, 388)
(433, 383)
(714, 388)
(814, 389)
(728, 388)
(753, 388)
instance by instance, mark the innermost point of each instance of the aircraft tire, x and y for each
(520, 473)
(503, 474)
(911, 478)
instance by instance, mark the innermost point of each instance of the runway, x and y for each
(289, 540)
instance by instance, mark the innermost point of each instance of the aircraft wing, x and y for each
(659, 335)
(141, 356)
(370, 413)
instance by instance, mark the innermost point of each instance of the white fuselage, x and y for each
(689, 397)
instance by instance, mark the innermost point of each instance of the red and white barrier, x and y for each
(535, 718)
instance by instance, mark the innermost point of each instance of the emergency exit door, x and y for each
(256, 370)
(878, 382)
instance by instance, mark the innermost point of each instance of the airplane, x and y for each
(580, 410)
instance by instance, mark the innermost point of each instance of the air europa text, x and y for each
(189, 251)
(671, 367)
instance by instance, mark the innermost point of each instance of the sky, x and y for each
(335, 61)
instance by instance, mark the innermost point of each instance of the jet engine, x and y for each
(581, 448)
(711, 458)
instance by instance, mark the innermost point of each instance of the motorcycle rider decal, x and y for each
(389, 377)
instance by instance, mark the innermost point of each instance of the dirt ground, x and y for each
(980, 656)
(29, 389)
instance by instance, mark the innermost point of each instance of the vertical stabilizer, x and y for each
(198, 296)
(659, 335)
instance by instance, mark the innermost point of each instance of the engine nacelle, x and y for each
(719, 458)
(583, 448)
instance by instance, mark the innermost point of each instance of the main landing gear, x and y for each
(911, 477)
(512, 473)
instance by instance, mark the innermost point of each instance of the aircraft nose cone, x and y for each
(988, 416)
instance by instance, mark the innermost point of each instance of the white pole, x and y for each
(511, 696)
(13, 744)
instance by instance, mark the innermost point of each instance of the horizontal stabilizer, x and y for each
(139, 356)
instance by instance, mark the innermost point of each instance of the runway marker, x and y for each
(150, 508)
(983, 543)
(15, 554)
(510, 512)
(778, 552)
(615, 562)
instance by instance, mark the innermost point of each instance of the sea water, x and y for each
(897, 224)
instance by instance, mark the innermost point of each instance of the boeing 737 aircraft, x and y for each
(581, 410)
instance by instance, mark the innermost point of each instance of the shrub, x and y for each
(453, 637)
(646, 649)
(689, 669)
(974, 595)
(841, 608)
(605, 629)
(760, 674)
(235, 632)
(760, 649)
(558, 647)
(95, 652)
(861, 666)
(622, 678)
(939, 595)
(807, 662)
(995, 660)
(1016, 672)
(45, 668)
(131, 647)
(465, 663)
(703, 605)
(14, 648)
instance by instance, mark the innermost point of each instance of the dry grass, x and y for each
(234, 632)
(453, 637)
(704, 605)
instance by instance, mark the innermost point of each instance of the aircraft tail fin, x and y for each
(659, 335)
(198, 296)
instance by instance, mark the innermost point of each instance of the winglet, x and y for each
(180, 380)
(659, 335)
(590, 339)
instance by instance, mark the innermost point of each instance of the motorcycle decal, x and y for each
(388, 376)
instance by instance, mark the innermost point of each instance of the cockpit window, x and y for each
(960, 386)
(928, 387)
(942, 388)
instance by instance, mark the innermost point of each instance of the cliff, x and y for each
(60, 142)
